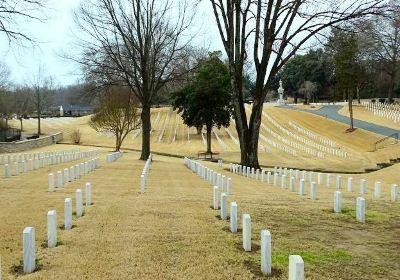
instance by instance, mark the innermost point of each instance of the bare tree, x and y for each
(43, 94)
(382, 43)
(23, 106)
(308, 88)
(277, 29)
(118, 114)
(12, 12)
(138, 43)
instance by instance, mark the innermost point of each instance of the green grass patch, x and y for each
(281, 258)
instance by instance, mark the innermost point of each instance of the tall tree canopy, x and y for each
(206, 100)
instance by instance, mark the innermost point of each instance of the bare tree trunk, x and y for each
(350, 97)
(391, 87)
(358, 95)
(146, 127)
(39, 128)
(209, 127)
(22, 127)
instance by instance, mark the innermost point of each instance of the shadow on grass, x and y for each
(256, 269)
(18, 269)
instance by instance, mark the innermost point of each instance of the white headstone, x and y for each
(79, 203)
(52, 228)
(68, 213)
(246, 232)
(16, 169)
(233, 217)
(302, 187)
(350, 184)
(66, 176)
(51, 182)
(296, 268)
(283, 182)
(394, 192)
(216, 198)
(269, 177)
(337, 202)
(360, 209)
(266, 252)
(339, 182)
(88, 194)
(59, 179)
(223, 212)
(377, 190)
(313, 191)
(6, 171)
(291, 184)
(275, 179)
(229, 186)
(328, 180)
(319, 178)
(363, 186)
(29, 250)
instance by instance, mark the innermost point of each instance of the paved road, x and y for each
(332, 113)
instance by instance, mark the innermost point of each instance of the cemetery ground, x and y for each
(169, 135)
(172, 232)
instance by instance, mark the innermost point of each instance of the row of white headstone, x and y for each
(294, 144)
(388, 111)
(55, 155)
(220, 141)
(40, 162)
(164, 127)
(73, 173)
(337, 205)
(312, 135)
(270, 143)
(322, 148)
(29, 248)
(220, 197)
(145, 173)
(113, 156)
(309, 176)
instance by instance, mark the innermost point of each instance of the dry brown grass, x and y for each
(360, 143)
(360, 113)
(171, 232)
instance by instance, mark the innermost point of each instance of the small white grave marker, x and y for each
(266, 252)
(350, 184)
(296, 268)
(394, 192)
(246, 232)
(52, 228)
(313, 191)
(337, 202)
(302, 188)
(377, 190)
(363, 186)
(79, 203)
(51, 182)
(223, 212)
(29, 250)
(88, 192)
(233, 217)
(68, 213)
(216, 197)
(360, 211)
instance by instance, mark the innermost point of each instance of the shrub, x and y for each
(76, 136)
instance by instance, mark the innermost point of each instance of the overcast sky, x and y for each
(56, 36)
